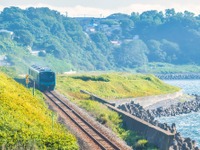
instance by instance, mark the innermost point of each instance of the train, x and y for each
(44, 77)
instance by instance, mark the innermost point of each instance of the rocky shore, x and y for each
(178, 108)
(171, 109)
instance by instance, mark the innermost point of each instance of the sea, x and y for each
(187, 124)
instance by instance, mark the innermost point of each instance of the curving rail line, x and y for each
(98, 138)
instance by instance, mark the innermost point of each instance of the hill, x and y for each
(114, 85)
(26, 122)
(117, 42)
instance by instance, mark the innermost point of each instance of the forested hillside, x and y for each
(117, 42)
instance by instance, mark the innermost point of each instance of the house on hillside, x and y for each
(36, 52)
(7, 33)
(116, 43)
(90, 29)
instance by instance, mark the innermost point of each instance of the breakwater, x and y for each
(163, 139)
(178, 76)
(154, 134)
(146, 115)
(177, 109)
(177, 143)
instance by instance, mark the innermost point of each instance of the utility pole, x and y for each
(52, 115)
(27, 80)
(33, 88)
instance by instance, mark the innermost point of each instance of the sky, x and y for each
(103, 8)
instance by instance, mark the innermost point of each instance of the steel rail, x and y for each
(98, 137)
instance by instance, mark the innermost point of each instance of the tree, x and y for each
(71, 26)
(102, 42)
(24, 37)
(12, 14)
(188, 14)
(127, 25)
(169, 12)
(131, 54)
(135, 16)
(42, 54)
(172, 50)
(118, 16)
(156, 54)
(152, 17)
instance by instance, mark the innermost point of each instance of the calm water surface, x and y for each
(188, 124)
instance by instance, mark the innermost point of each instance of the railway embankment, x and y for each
(143, 121)
(83, 140)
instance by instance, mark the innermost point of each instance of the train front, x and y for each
(47, 80)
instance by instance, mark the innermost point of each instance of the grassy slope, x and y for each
(22, 58)
(25, 121)
(114, 85)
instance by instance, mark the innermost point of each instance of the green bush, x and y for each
(141, 143)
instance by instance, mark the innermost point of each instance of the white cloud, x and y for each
(80, 11)
(159, 7)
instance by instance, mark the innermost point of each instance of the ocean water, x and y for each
(187, 124)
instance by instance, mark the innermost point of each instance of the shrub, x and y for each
(141, 143)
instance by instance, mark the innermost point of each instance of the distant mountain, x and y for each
(119, 41)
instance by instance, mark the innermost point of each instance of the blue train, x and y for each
(44, 77)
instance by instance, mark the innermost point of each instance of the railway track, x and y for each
(98, 138)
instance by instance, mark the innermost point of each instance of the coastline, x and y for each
(158, 108)
(181, 105)
(168, 102)
(146, 101)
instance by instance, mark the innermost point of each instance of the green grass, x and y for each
(112, 86)
(26, 122)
